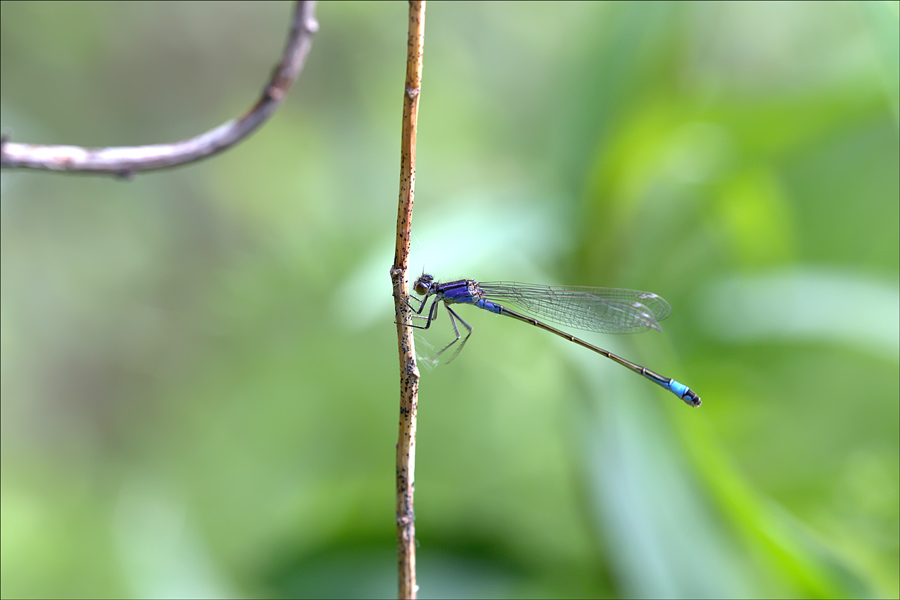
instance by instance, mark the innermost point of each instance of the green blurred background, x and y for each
(199, 367)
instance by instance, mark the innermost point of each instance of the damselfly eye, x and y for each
(423, 284)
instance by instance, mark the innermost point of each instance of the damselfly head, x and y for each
(423, 284)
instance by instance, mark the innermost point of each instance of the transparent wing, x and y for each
(607, 310)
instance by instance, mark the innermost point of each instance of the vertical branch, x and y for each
(409, 372)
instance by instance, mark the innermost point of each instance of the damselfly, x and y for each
(606, 310)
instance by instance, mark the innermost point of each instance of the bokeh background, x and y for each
(199, 367)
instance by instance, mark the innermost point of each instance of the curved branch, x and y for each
(126, 161)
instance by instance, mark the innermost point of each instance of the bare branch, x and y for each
(409, 372)
(126, 161)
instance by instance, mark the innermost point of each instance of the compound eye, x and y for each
(423, 284)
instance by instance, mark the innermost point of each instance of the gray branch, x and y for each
(126, 161)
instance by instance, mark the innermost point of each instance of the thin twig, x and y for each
(126, 161)
(409, 372)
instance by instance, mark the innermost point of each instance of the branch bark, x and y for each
(409, 371)
(126, 161)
